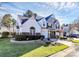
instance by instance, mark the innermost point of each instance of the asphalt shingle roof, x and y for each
(48, 17)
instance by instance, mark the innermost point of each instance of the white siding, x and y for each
(30, 23)
(42, 21)
(45, 32)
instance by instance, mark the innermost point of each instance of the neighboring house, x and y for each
(69, 30)
(66, 29)
(5, 29)
(2, 27)
(76, 25)
(48, 26)
(74, 30)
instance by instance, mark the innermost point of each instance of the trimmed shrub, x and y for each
(27, 37)
(21, 37)
(5, 34)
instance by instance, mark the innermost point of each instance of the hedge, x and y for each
(28, 37)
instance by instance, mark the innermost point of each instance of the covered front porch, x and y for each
(54, 34)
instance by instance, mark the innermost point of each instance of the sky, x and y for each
(65, 12)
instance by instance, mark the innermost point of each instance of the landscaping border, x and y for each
(12, 40)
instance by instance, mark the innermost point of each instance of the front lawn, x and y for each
(75, 41)
(7, 49)
(45, 51)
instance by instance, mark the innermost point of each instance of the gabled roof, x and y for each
(55, 21)
(23, 21)
(22, 17)
(48, 17)
(39, 19)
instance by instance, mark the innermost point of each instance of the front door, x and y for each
(32, 30)
(52, 34)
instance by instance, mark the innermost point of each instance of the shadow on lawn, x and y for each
(29, 48)
(53, 44)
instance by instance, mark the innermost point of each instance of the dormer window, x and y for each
(57, 26)
(43, 24)
(17, 27)
(49, 25)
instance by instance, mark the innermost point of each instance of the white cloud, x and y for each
(70, 5)
(53, 4)
(62, 5)
(9, 10)
(4, 9)
(60, 21)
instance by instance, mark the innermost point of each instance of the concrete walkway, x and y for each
(66, 51)
(74, 53)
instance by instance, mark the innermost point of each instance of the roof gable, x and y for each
(55, 21)
(47, 18)
(39, 19)
(23, 21)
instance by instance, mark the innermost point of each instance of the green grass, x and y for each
(7, 49)
(75, 41)
(45, 51)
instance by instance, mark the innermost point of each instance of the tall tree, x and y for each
(13, 23)
(35, 15)
(7, 21)
(28, 13)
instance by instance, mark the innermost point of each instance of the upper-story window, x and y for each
(57, 26)
(17, 27)
(49, 25)
(43, 24)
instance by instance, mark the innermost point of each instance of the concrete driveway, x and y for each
(74, 53)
